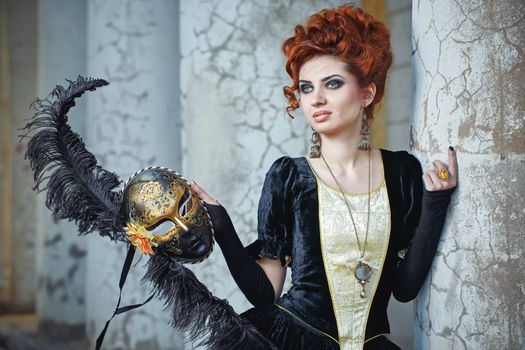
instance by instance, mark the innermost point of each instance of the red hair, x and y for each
(348, 33)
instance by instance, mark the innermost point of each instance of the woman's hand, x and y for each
(431, 177)
(222, 223)
(206, 198)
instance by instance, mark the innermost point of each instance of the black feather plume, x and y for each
(77, 188)
(195, 309)
(81, 191)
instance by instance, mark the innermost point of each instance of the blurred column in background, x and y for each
(6, 149)
(131, 124)
(18, 226)
(468, 67)
(397, 118)
(398, 89)
(60, 253)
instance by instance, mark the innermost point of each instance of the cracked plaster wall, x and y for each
(130, 124)
(468, 87)
(60, 252)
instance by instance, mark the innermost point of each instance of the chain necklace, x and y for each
(362, 271)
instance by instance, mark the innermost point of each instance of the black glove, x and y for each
(248, 275)
(413, 269)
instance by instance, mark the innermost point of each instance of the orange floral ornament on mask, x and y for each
(140, 238)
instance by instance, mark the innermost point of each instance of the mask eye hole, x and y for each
(161, 227)
(186, 204)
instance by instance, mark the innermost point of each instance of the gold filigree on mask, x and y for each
(150, 203)
(150, 191)
(171, 241)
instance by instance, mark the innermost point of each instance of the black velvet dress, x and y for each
(288, 229)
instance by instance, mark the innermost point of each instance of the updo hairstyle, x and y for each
(348, 33)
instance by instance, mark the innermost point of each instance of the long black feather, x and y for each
(80, 190)
(196, 310)
(77, 188)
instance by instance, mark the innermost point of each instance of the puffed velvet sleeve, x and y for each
(275, 214)
(425, 213)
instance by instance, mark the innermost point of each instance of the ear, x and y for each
(369, 93)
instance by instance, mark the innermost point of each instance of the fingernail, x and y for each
(451, 148)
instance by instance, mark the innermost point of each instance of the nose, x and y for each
(318, 100)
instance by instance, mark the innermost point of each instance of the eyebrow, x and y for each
(324, 79)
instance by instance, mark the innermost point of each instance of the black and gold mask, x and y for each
(165, 214)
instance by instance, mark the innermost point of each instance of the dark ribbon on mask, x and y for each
(119, 310)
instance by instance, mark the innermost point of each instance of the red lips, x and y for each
(321, 115)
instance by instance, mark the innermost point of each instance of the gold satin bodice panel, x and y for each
(341, 253)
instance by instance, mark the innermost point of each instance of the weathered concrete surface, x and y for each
(60, 252)
(468, 63)
(130, 124)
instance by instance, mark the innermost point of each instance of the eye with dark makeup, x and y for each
(305, 88)
(332, 84)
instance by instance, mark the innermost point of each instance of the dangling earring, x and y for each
(315, 150)
(365, 144)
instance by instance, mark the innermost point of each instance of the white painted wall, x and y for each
(468, 92)
(131, 124)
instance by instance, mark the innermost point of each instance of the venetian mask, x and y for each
(164, 213)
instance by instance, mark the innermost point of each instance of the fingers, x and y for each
(431, 177)
(206, 198)
(453, 161)
(428, 182)
(437, 184)
(439, 165)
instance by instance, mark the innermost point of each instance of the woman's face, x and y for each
(331, 98)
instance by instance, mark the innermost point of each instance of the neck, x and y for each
(341, 150)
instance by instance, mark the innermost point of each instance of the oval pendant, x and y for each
(362, 272)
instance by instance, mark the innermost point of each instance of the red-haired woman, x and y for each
(354, 223)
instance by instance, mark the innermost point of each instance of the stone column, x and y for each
(6, 154)
(131, 124)
(397, 98)
(17, 238)
(398, 102)
(60, 253)
(468, 92)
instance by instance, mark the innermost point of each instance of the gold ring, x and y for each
(443, 174)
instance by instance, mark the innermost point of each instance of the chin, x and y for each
(327, 129)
